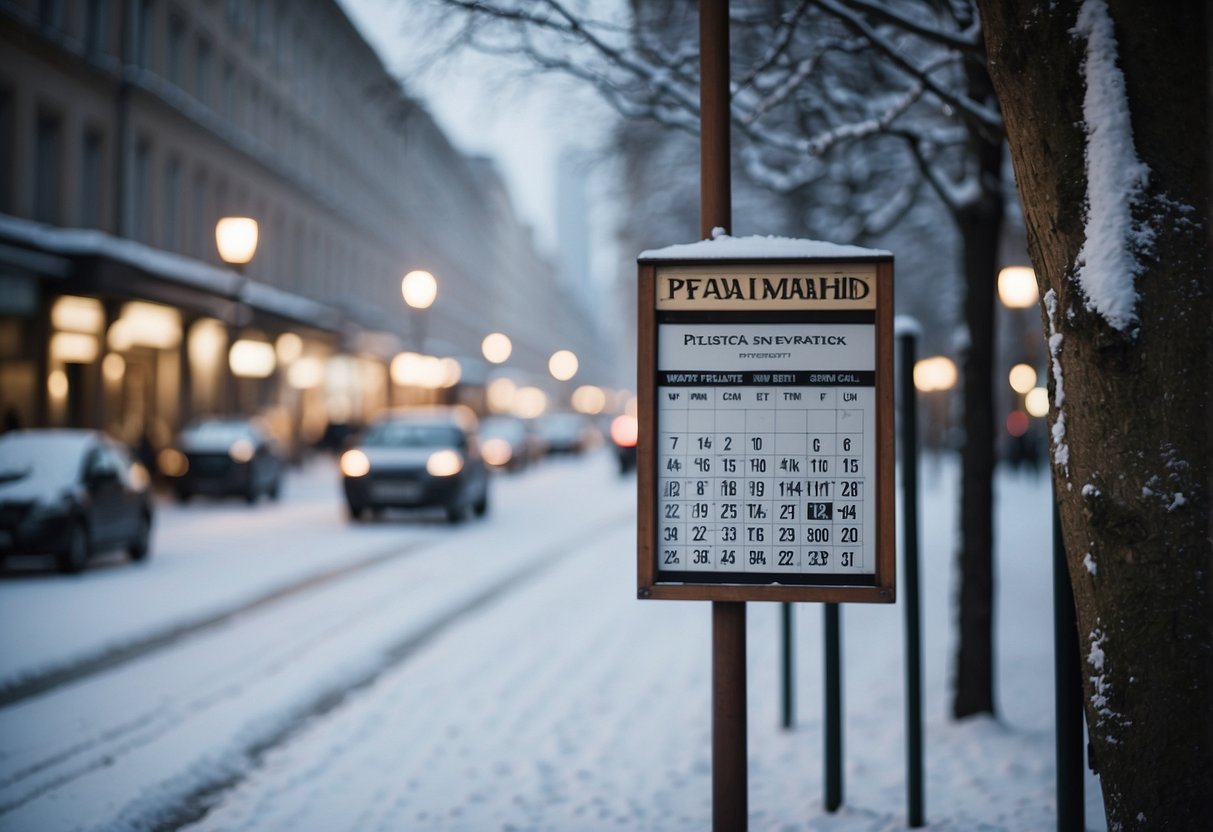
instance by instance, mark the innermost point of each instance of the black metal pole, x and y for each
(730, 778)
(915, 808)
(1067, 692)
(788, 667)
(833, 707)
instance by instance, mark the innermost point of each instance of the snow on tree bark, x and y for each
(1123, 262)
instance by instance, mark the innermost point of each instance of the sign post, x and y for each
(766, 408)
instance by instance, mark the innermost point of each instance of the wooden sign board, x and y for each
(765, 457)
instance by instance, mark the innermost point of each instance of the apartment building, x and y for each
(128, 128)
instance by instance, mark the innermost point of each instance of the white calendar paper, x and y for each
(763, 474)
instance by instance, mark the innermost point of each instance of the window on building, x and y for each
(200, 225)
(261, 27)
(96, 27)
(50, 13)
(235, 16)
(141, 192)
(170, 215)
(175, 50)
(48, 167)
(228, 92)
(144, 22)
(8, 152)
(91, 151)
(202, 71)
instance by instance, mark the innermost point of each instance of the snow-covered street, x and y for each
(276, 668)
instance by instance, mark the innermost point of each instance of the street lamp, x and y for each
(496, 347)
(562, 365)
(419, 289)
(236, 238)
(1017, 287)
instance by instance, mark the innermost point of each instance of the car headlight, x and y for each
(172, 463)
(445, 463)
(355, 464)
(241, 450)
(496, 451)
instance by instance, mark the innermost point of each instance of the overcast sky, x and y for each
(485, 108)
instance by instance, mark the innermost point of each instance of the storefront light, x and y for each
(306, 373)
(146, 325)
(56, 385)
(77, 314)
(251, 359)
(74, 348)
(113, 367)
(451, 372)
(289, 347)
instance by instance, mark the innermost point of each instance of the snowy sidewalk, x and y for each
(571, 706)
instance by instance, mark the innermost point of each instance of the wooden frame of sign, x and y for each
(765, 454)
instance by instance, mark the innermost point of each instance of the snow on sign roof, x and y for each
(724, 247)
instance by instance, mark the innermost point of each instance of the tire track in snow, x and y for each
(110, 746)
(112, 657)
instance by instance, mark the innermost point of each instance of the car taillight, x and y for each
(624, 430)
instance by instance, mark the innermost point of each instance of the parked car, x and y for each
(71, 494)
(566, 433)
(416, 458)
(624, 432)
(224, 457)
(509, 442)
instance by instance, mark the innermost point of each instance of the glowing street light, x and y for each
(419, 288)
(1017, 287)
(562, 365)
(1022, 378)
(236, 238)
(935, 373)
(496, 347)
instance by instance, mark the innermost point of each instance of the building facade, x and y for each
(129, 127)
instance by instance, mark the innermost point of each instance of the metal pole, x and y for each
(909, 486)
(833, 708)
(788, 667)
(715, 192)
(730, 788)
(1067, 695)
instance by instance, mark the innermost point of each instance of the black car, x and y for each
(507, 442)
(224, 457)
(71, 494)
(416, 458)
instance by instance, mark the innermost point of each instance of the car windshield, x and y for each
(412, 435)
(41, 460)
(217, 434)
(505, 428)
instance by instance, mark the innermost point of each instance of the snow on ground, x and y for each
(569, 705)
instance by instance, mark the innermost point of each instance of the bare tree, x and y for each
(1107, 116)
(812, 76)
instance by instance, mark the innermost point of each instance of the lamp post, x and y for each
(420, 289)
(563, 366)
(236, 239)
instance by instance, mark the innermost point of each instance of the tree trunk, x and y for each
(1132, 449)
(979, 225)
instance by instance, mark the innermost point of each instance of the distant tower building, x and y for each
(573, 223)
